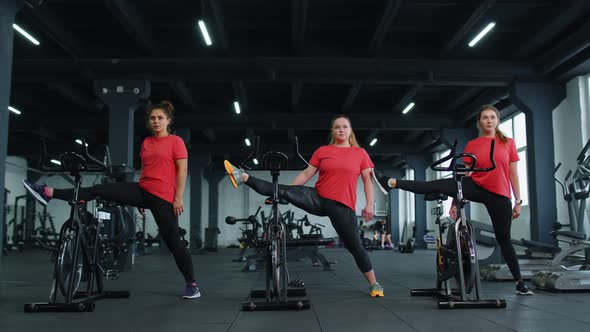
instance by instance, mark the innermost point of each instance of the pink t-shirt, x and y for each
(339, 170)
(497, 180)
(158, 156)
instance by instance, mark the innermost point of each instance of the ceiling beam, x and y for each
(566, 49)
(240, 94)
(567, 12)
(405, 100)
(296, 90)
(265, 118)
(298, 19)
(213, 14)
(426, 141)
(387, 18)
(81, 98)
(474, 19)
(130, 18)
(185, 94)
(315, 70)
(460, 99)
(411, 136)
(54, 27)
(578, 67)
(353, 91)
(210, 135)
(491, 96)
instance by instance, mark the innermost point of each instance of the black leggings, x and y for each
(499, 209)
(130, 193)
(342, 217)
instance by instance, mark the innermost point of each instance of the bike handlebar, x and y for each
(68, 159)
(460, 167)
(275, 160)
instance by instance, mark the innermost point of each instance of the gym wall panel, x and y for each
(568, 127)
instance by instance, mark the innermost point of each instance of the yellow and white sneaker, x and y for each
(234, 173)
(376, 290)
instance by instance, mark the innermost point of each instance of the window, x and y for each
(515, 127)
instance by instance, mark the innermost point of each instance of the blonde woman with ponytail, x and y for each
(340, 163)
(490, 188)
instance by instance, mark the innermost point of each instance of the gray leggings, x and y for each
(342, 217)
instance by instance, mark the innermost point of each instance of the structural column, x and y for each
(7, 12)
(213, 174)
(122, 98)
(419, 163)
(537, 101)
(196, 167)
(393, 212)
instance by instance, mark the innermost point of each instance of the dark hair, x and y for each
(352, 139)
(499, 134)
(166, 107)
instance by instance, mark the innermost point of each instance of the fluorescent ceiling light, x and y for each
(55, 162)
(373, 142)
(79, 141)
(255, 161)
(482, 34)
(14, 110)
(237, 107)
(204, 33)
(247, 142)
(408, 108)
(25, 34)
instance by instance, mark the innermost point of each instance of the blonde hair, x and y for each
(499, 134)
(352, 139)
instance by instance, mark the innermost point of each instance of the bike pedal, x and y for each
(296, 283)
(112, 275)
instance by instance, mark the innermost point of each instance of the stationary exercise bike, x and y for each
(277, 294)
(456, 258)
(78, 248)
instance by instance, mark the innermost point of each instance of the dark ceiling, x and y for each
(292, 65)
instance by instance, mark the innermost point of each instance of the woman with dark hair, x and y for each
(490, 188)
(160, 188)
(340, 164)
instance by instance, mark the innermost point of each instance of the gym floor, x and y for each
(339, 299)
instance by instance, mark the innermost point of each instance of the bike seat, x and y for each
(435, 197)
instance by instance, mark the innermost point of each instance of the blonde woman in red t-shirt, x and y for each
(160, 188)
(490, 188)
(340, 164)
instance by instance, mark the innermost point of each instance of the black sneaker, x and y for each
(38, 191)
(523, 289)
(381, 180)
(191, 291)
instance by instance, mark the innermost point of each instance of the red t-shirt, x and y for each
(339, 172)
(498, 180)
(158, 156)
